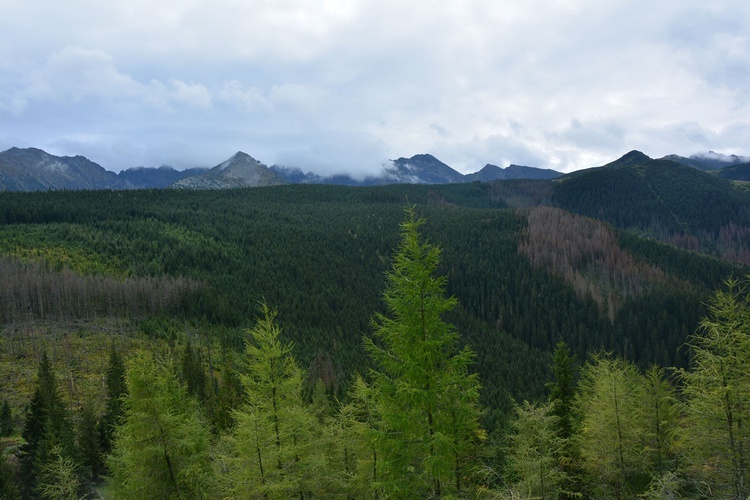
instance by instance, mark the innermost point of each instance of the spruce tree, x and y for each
(113, 411)
(6, 419)
(561, 406)
(428, 400)
(47, 425)
(89, 444)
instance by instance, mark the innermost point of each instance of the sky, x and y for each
(342, 86)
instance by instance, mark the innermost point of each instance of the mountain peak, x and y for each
(241, 170)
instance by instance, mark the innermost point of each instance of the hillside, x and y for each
(665, 200)
(319, 254)
(35, 170)
(739, 172)
(156, 178)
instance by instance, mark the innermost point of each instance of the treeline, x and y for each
(175, 424)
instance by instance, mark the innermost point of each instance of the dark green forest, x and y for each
(197, 278)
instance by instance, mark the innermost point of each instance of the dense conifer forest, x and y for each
(511, 339)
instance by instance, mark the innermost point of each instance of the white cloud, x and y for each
(549, 83)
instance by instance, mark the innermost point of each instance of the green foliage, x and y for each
(59, 478)
(89, 445)
(274, 441)
(113, 410)
(426, 398)
(717, 395)
(161, 450)
(535, 450)
(6, 420)
(47, 427)
(662, 422)
(319, 253)
(8, 487)
(610, 404)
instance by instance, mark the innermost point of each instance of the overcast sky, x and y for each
(343, 85)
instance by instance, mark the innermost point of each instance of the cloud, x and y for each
(561, 84)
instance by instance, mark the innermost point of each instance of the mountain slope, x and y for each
(241, 170)
(674, 203)
(421, 169)
(708, 161)
(491, 173)
(35, 170)
(162, 177)
(739, 172)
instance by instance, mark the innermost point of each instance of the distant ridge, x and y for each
(241, 170)
(491, 173)
(655, 196)
(32, 169)
(156, 178)
(709, 161)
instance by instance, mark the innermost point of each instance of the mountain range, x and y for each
(32, 169)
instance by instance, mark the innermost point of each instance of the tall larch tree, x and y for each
(161, 450)
(535, 450)
(610, 402)
(428, 400)
(717, 396)
(273, 444)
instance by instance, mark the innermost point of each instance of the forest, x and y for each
(470, 340)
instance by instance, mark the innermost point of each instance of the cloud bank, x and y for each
(343, 85)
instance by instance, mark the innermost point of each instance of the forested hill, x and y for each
(319, 255)
(674, 203)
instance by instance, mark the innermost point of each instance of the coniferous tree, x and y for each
(610, 402)
(47, 426)
(113, 411)
(193, 373)
(6, 419)
(161, 450)
(535, 450)
(8, 487)
(274, 439)
(562, 407)
(228, 397)
(427, 399)
(89, 444)
(661, 420)
(59, 477)
(717, 395)
(351, 454)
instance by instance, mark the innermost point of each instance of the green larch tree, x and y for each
(717, 395)
(274, 439)
(535, 450)
(428, 400)
(161, 450)
(661, 420)
(610, 402)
